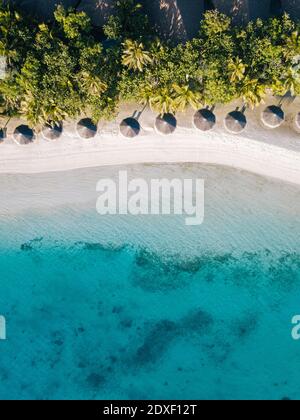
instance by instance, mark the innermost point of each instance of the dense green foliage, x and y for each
(60, 69)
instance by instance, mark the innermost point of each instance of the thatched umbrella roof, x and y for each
(204, 120)
(86, 129)
(297, 120)
(166, 124)
(273, 116)
(130, 127)
(2, 135)
(235, 122)
(52, 131)
(23, 135)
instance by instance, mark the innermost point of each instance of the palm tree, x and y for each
(53, 113)
(236, 69)
(145, 94)
(163, 101)
(11, 93)
(292, 47)
(184, 96)
(92, 84)
(30, 109)
(13, 35)
(253, 92)
(135, 57)
(36, 112)
(291, 82)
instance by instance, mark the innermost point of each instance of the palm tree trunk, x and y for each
(276, 8)
(77, 4)
(209, 5)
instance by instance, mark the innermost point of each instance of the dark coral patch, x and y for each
(95, 380)
(32, 244)
(94, 246)
(245, 326)
(198, 322)
(156, 342)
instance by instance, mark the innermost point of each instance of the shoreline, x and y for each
(270, 153)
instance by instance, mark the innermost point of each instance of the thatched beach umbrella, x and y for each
(52, 131)
(204, 120)
(272, 116)
(2, 135)
(296, 122)
(235, 122)
(86, 129)
(23, 135)
(166, 124)
(130, 127)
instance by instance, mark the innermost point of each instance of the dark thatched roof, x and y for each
(2, 135)
(86, 129)
(24, 135)
(235, 122)
(130, 127)
(273, 116)
(52, 131)
(204, 120)
(297, 120)
(166, 124)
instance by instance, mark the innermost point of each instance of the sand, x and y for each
(272, 153)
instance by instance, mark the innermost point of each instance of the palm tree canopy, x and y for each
(273, 116)
(91, 83)
(86, 129)
(23, 134)
(166, 124)
(163, 101)
(291, 82)
(235, 122)
(130, 127)
(204, 120)
(184, 96)
(236, 70)
(135, 57)
(253, 92)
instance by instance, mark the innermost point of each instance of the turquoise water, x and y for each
(134, 308)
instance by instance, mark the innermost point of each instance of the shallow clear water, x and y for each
(146, 307)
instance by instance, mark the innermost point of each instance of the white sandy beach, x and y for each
(272, 153)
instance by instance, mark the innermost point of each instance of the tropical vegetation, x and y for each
(65, 68)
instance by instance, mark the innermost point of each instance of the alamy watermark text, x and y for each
(296, 328)
(2, 328)
(155, 197)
